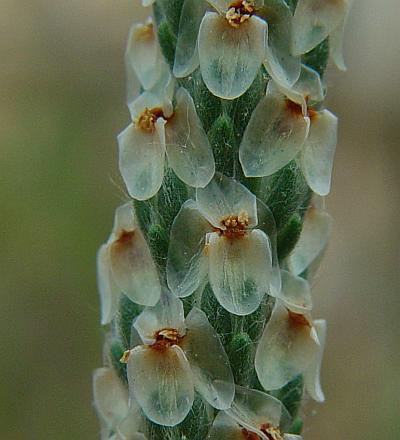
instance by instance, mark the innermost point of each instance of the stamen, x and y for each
(166, 338)
(239, 12)
(147, 119)
(234, 226)
(145, 32)
(248, 435)
(271, 432)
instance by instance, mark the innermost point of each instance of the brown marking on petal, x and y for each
(294, 108)
(297, 320)
(312, 114)
(145, 32)
(248, 435)
(234, 226)
(166, 338)
(271, 432)
(147, 119)
(125, 237)
(125, 357)
(239, 11)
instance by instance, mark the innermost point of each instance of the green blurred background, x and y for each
(62, 104)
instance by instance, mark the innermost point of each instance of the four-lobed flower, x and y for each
(226, 236)
(288, 124)
(171, 357)
(254, 415)
(125, 264)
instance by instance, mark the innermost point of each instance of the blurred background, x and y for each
(62, 104)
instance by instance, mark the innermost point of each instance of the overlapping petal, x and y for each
(208, 361)
(295, 293)
(225, 427)
(230, 57)
(188, 149)
(162, 383)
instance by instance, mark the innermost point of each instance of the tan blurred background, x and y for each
(62, 104)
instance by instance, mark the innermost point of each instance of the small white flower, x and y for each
(286, 125)
(176, 356)
(120, 418)
(228, 236)
(309, 250)
(315, 20)
(159, 129)
(231, 44)
(125, 264)
(254, 415)
(292, 344)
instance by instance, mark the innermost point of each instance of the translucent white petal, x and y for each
(274, 135)
(186, 54)
(314, 20)
(167, 314)
(313, 240)
(336, 40)
(295, 293)
(133, 422)
(280, 63)
(230, 58)
(141, 162)
(133, 268)
(210, 366)
(143, 53)
(312, 379)
(240, 270)
(252, 409)
(223, 197)
(292, 437)
(147, 2)
(108, 290)
(285, 350)
(188, 149)
(318, 152)
(161, 381)
(187, 262)
(225, 428)
(110, 397)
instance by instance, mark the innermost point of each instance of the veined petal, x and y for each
(167, 314)
(230, 58)
(133, 422)
(212, 373)
(292, 437)
(312, 379)
(240, 270)
(108, 290)
(141, 161)
(187, 262)
(313, 240)
(274, 135)
(225, 428)
(188, 149)
(132, 265)
(252, 409)
(110, 397)
(286, 348)
(295, 293)
(143, 54)
(161, 381)
(186, 54)
(318, 152)
(314, 20)
(279, 61)
(336, 40)
(223, 197)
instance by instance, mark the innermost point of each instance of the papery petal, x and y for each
(133, 422)
(108, 290)
(274, 135)
(187, 262)
(285, 349)
(336, 41)
(212, 374)
(318, 152)
(253, 408)
(143, 54)
(314, 20)
(161, 381)
(188, 149)
(110, 397)
(280, 63)
(141, 161)
(292, 437)
(225, 428)
(295, 293)
(313, 240)
(167, 314)
(230, 58)
(223, 197)
(132, 266)
(240, 270)
(186, 54)
(147, 2)
(312, 379)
